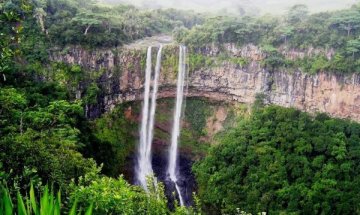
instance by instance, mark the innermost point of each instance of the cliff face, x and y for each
(337, 95)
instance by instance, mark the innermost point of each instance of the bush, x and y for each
(116, 196)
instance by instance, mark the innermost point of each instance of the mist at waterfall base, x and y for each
(171, 168)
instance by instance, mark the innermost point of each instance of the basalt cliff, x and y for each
(122, 79)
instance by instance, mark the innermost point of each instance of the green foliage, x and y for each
(313, 65)
(46, 132)
(196, 113)
(353, 47)
(116, 196)
(298, 30)
(199, 61)
(40, 117)
(278, 161)
(12, 15)
(169, 62)
(347, 21)
(6, 206)
(297, 13)
(48, 203)
(273, 58)
(220, 30)
(95, 25)
(92, 93)
(239, 61)
(283, 161)
(87, 19)
(111, 140)
(344, 65)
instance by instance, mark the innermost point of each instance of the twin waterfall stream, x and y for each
(144, 159)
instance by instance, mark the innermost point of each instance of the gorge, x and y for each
(118, 109)
(223, 81)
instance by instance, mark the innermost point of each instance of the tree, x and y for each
(267, 24)
(180, 33)
(297, 13)
(40, 13)
(353, 47)
(285, 32)
(87, 18)
(347, 20)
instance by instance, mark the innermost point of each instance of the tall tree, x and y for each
(285, 32)
(347, 20)
(297, 13)
(40, 13)
(353, 47)
(87, 18)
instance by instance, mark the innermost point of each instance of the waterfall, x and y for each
(173, 153)
(153, 99)
(144, 166)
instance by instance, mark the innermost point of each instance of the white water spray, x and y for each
(173, 153)
(144, 166)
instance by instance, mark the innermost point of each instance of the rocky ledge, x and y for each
(336, 95)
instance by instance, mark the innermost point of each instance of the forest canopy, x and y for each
(283, 161)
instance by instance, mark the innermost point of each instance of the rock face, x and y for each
(337, 95)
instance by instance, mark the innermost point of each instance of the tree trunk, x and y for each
(86, 110)
(41, 21)
(21, 124)
(87, 29)
(348, 30)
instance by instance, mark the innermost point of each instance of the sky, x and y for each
(254, 6)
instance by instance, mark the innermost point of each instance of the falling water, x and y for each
(144, 160)
(173, 153)
(153, 100)
(144, 167)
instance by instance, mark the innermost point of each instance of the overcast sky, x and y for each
(265, 6)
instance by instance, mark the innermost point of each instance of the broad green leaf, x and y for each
(44, 202)
(8, 207)
(56, 208)
(89, 210)
(57, 204)
(73, 208)
(33, 199)
(21, 205)
(51, 203)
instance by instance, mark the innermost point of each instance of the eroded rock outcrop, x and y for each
(337, 95)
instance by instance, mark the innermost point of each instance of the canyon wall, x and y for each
(122, 80)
